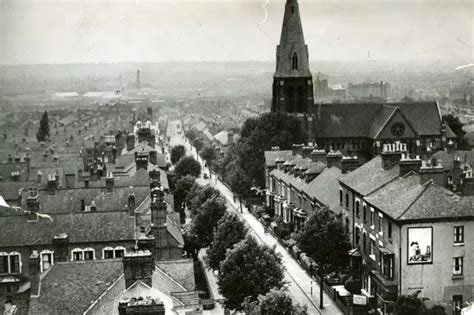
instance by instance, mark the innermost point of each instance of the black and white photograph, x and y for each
(218, 157)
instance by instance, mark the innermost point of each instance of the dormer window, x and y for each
(294, 61)
(10, 263)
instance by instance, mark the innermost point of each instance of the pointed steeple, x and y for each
(292, 52)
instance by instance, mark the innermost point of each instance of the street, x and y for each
(300, 284)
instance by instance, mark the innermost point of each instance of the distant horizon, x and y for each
(137, 31)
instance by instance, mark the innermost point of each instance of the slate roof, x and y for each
(272, 156)
(69, 200)
(370, 176)
(6, 169)
(80, 227)
(182, 271)
(447, 159)
(406, 199)
(10, 190)
(351, 120)
(325, 187)
(70, 288)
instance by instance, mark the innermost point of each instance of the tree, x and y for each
(240, 184)
(43, 131)
(198, 195)
(177, 152)
(230, 231)
(206, 219)
(325, 240)
(188, 166)
(457, 127)
(197, 144)
(261, 134)
(191, 134)
(208, 154)
(275, 302)
(182, 187)
(412, 304)
(249, 270)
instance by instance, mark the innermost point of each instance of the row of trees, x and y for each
(251, 275)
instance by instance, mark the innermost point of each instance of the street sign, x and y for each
(359, 299)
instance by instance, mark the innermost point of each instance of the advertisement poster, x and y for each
(420, 245)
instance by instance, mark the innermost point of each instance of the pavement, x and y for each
(302, 288)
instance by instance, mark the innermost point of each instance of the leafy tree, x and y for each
(230, 231)
(412, 304)
(240, 184)
(208, 154)
(190, 134)
(275, 302)
(177, 152)
(197, 144)
(198, 195)
(261, 134)
(325, 240)
(188, 166)
(182, 187)
(206, 219)
(249, 270)
(43, 131)
(190, 241)
(457, 127)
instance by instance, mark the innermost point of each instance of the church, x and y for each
(353, 128)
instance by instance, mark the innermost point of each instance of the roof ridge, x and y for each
(426, 186)
(382, 186)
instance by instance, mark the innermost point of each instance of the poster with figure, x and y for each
(420, 245)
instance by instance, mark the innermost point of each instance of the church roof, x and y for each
(367, 119)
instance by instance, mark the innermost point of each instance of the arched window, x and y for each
(294, 61)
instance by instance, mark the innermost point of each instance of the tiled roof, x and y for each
(208, 135)
(69, 200)
(406, 199)
(182, 271)
(370, 176)
(80, 227)
(447, 159)
(325, 187)
(70, 288)
(9, 190)
(272, 156)
(6, 169)
(366, 119)
(173, 230)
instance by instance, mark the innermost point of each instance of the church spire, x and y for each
(292, 81)
(292, 52)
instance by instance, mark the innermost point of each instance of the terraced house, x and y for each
(303, 180)
(409, 231)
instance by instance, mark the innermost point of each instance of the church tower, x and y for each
(292, 81)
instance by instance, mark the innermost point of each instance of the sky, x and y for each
(86, 31)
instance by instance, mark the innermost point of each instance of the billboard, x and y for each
(420, 245)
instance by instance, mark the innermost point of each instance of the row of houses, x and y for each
(408, 218)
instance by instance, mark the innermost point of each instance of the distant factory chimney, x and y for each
(138, 79)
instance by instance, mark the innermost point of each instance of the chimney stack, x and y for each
(131, 202)
(450, 147)
(408, 164)
(306, 151)
(334, 159)
(28, 163)
(349, 163)
(392, 153)
(32, 204)
(109, 182)
(141, 306)
(318, 156)
(141, 160)
(60, 244)
(130, 142)
(297, 148)
(52, 184)
(93, 206)
(138, 265)
(432, 170)
(34, 268)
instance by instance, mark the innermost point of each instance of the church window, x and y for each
(292, 9)
(294, 61)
